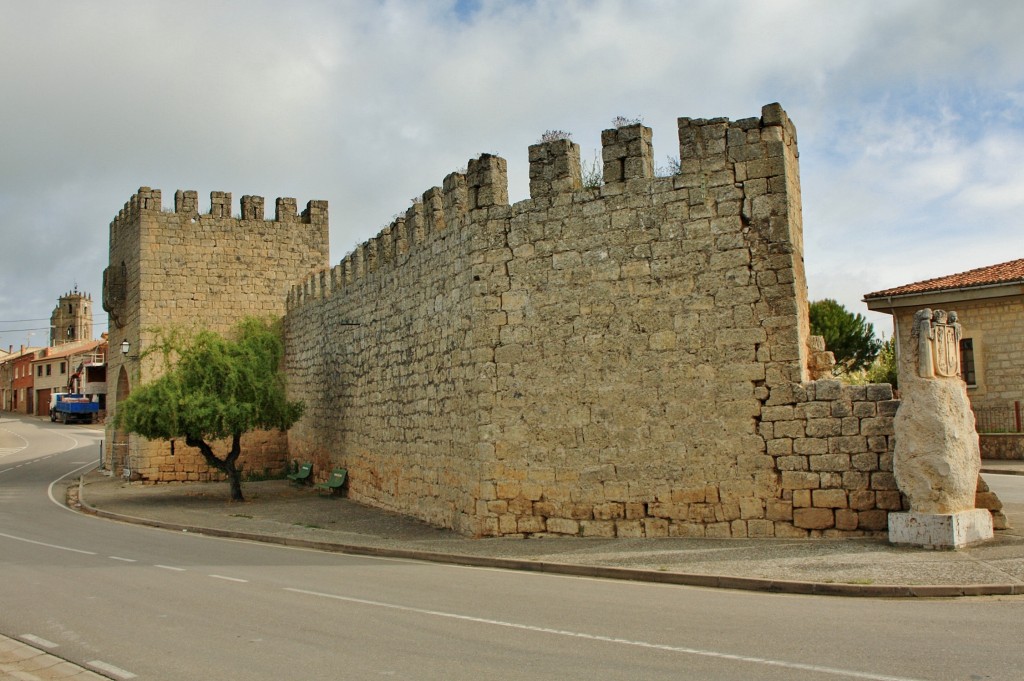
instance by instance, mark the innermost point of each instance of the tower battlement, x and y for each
(186, 203)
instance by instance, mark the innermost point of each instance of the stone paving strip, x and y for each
(23, 662)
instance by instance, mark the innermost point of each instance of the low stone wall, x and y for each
(1002, 446)
(832, 445)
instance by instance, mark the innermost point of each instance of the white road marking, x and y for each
(125, 560)
(110, 669)
(610, 639)
(231, 579)
(170, 567)
(50, 546)
(35, 640)
(49, 490)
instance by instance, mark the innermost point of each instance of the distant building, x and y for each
(71, 320)
(16, 378)
(64, 369)
(990, 304)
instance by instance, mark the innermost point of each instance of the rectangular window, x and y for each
(39, 370)
(49, 369)
(62, 367)
(967, 361)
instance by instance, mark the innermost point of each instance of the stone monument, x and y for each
(936, 457)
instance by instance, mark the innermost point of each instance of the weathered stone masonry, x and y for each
(198, 270)
(628, 360)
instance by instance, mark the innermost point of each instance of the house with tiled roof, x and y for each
(62, 369)
(990, 304)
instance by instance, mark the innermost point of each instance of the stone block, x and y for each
(872, 520)
(889, 500)
(563, 526)
(629, 528)
(693, 530)
(597, 528)
(801, 498)
(814, 518)
(829, 462)
(776, 509)
(530, 525)
(807, 446)
(784, 530)
(941, 531)
(791, 463)
(883, 480)
(655, 527)
(829, 498)
(800, 480)
(879, 392)
(828, 389)
(862, 500)
(846, 520)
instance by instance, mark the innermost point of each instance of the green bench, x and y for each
(334, 482)
(301, 475)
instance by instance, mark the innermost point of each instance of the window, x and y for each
(49, 369)
(967, 361)
(39, 370)
(62, 370)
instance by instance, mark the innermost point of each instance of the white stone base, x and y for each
(941, 531)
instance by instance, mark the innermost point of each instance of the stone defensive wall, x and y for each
(186, 268)
(631, 359)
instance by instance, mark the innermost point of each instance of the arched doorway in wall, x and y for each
(119, 446)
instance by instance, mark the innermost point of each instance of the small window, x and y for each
(62, 370)
(967, 361)
(49, 369)
(39, 370)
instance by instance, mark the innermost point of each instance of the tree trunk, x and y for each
(225, 465)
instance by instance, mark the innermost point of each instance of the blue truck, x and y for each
(72, 408)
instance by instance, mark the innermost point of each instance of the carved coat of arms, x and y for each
(938, 336)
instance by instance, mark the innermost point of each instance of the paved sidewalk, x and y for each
(282, 512)
(22, 662)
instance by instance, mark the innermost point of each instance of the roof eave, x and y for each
(888, 303)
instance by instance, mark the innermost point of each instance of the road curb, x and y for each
(1002, 471)
(626, 574)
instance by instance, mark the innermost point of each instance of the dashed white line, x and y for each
(37, 641)
(50, 546)
(110, 669)
(231, 579)
(125, 560)
(849, 673)
(170, 567)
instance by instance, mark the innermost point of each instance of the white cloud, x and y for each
(909, 114)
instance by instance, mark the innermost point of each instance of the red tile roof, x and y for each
(1004, 273)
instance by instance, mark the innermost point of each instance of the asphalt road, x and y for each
(136, 602)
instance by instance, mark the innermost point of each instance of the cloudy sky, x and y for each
(910, 116)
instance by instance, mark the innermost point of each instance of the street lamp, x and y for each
(126, 348)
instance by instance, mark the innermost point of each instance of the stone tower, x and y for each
(71, 320)
(188, 269)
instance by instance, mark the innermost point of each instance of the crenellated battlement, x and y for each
(186, 203)
(720, 160)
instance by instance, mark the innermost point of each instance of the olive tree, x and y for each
(214, 388)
